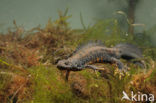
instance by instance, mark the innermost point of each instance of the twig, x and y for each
(65, 13)
(16, 92)
(81, 19)
(7, 73)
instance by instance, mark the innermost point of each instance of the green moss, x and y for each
(49, 87)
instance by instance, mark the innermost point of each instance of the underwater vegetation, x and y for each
(28, 72)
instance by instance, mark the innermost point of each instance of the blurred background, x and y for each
(31, 13)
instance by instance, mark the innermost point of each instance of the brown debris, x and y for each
(17, 89)
(78, 85)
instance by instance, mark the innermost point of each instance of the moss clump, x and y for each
(49, 87)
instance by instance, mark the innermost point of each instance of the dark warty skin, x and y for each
(96, 52)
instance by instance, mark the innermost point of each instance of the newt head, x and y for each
(68, 65)
(64, 64)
